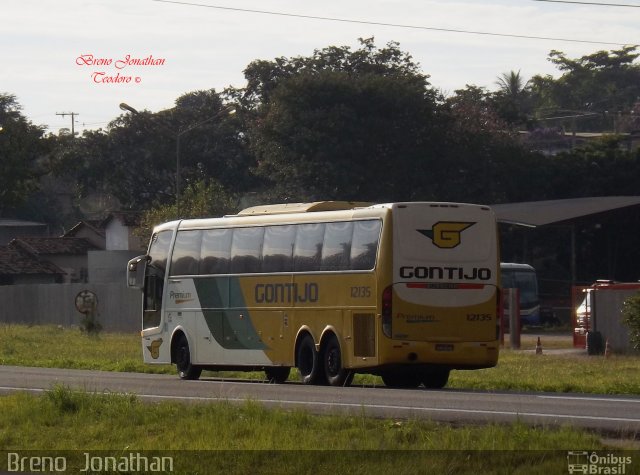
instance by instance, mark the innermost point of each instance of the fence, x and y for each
(54, 304)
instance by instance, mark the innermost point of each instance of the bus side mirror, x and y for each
(136, 269)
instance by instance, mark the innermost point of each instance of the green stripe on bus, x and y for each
(231, 328)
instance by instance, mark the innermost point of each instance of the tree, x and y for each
(264, 76)
(485, 161)
(631, 318)
(23, 154)
(203, 199)
(599, 168)
(215, 147)
(135, 160)
(342, 124)
(512, 100)
(598, 89)
(511, 84)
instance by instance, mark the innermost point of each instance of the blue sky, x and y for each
(202, 48)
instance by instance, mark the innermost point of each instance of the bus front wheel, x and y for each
(308, 361)
(332, 358)
(183, 360)
(277, 374)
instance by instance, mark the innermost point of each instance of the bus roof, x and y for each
(302, 212)
(287, 208)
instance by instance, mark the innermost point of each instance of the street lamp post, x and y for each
(227, 109)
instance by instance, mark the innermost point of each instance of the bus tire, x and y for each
(401, 380)
(335, 373)
(183, 360)
(308, 361)
(436, 379)
(277, 374)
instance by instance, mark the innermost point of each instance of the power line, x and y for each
(598, 4)
(86, 124)
(395, 25)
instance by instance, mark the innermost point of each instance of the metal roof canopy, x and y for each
(540, 213)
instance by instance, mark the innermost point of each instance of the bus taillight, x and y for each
(386, 311)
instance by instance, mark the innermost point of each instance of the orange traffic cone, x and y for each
(538, 347)
(607, 349)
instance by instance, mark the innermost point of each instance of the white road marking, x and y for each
(379, 406)
(586, 398)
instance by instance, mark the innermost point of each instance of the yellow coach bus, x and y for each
(407, 291)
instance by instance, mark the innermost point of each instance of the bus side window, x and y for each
(215, 257)
(246, 250)
(336, 248)
(277, 251)
(308, 247)
(364, 246)
(186, 253)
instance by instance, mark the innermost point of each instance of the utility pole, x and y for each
(73, 119)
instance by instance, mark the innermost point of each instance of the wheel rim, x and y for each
(333, 360)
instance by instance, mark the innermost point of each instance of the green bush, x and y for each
(631, 318)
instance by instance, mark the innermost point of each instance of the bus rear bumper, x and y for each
(453, 355)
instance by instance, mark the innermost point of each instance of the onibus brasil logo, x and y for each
(446, 234)
(594, 463)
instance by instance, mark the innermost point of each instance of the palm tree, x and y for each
(512, 84)
(513, 98)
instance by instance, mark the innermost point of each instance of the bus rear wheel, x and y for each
(183, 360)
(332, 358)
(277, 374)
(436, 379)
(308, 361)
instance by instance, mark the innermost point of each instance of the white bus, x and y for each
(407, 291)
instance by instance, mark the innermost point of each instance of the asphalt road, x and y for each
(601, 412)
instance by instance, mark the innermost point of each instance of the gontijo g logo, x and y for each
(446, 234)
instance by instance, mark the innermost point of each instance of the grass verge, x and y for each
(227, 438)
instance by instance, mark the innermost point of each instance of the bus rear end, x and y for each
(440, 311)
